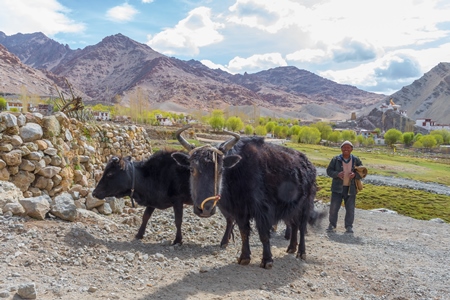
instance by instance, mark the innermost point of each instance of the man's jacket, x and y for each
(335, 167)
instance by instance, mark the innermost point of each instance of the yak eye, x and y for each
(109, 174)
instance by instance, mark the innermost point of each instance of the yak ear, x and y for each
(181, 158)
(115, 159)
(231, 161)
(128, 158)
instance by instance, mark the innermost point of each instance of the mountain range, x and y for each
(119, 69)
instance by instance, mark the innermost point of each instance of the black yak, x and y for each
(158, 182)
(249, 179)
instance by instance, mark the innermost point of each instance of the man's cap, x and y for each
(347, 143)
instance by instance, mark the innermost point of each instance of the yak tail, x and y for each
(315, 217)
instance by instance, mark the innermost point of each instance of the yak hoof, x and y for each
(302, 256)
(244, 261)
(291, 250)
(223, 246)
(179, 243)
(139, 236)
(266, 265)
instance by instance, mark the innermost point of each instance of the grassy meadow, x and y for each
(401, 163)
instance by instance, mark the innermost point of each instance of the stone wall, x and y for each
(50, 155)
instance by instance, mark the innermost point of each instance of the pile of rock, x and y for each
(57, 160)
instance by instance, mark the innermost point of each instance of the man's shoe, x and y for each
(330, 228)
(349, 230)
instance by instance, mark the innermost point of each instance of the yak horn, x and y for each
(231, 142)
(182, 140)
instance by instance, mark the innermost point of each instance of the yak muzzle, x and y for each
(207, 208)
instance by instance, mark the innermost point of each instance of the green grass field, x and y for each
(383, 161)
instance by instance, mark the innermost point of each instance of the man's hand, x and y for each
(352, 175)
(341, 175)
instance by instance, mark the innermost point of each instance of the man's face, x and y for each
(346, 150)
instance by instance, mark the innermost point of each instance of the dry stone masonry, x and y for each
(52, 163)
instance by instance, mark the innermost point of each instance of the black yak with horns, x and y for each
(250, 179)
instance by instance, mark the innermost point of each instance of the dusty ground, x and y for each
(388, 257)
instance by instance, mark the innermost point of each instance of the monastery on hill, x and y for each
(427, 124)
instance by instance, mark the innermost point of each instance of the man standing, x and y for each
(342, 170)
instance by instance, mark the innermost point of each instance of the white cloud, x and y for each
(214, 66)
(147, 1)
(310, 56)
(389, 73)
(255, 63)
(47, 16)
(270, 16)
(380, 24)
(195, 31)
(121, 13)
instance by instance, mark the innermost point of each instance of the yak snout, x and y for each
(209, 209)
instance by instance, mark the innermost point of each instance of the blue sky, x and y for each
(378, 46)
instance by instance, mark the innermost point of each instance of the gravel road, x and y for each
(388, 257)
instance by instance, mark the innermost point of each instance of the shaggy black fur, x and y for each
(259, 181)
(159, 183)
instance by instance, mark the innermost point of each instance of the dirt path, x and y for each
(389, 257)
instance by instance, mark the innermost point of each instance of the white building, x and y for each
(429, 125)
(101, 115)
(164, 121)
(14, 104)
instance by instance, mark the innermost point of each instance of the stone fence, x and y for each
(50, 156)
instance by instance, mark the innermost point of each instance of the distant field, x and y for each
(383, 161)
(403, 163)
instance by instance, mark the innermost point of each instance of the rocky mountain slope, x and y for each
(18, 78)
(428, 96)
(118, 69)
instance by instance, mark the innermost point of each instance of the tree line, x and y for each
(277, 127)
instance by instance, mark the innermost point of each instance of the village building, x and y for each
(44, 109)
(164, 121)
(14, 104)
(429, 125)
(101, 115)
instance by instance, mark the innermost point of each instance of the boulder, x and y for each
(36, 207)
(64, 207)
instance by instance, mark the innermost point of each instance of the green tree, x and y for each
(261, 130)
(348, 135)
(234, 124)
(335, 136)
(283, 132)
(309, 135)
(392, 136)
(429, 141)
(408, 138)
(270, 126)
(294, 130)
(248, 130)
(360, 139)
(2, 103)
(438, 137)
(418, 144)
(217, 121)
(445, 134)
(369, 141)
(324, 128)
